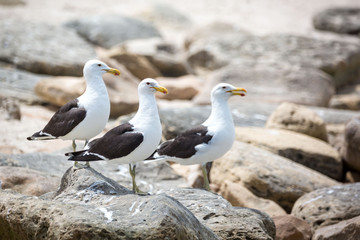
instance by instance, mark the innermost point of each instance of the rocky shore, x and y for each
(292, 173)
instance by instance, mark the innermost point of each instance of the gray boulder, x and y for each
(339, 20)
(350, 151)
(110, 30)
(328, 206)
(43, 48)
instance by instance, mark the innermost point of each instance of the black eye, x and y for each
(147, 83)
(223, 87)
(99, 65)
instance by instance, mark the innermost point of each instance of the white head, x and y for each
(150, 86)
(96, 67)
(224, 91)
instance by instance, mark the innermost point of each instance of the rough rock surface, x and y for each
(110, 30)
(27, 181)
(240, 196)
(350, 151)
(226, 221)
(185, 87)
(344, 230)
(43, 48)
(339, 20)
(299, 119)
(267, 175)
(273, 82)
(9, 109)
(328, 206)
(308, 151)
(290, 227)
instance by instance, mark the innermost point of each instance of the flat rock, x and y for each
(27, 181)
(344, 230)
(339, 20)
(308, 151)
(299, 119)
(290, 227)
(273, 82)
(330, 205)
(42, 48)
(350, 151)
(91, 206)
(345, 101)
(184, 88)
(110, 30)
(226, 221)
(335, 57)
(267, 175)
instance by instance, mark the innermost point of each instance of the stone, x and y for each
(345, 101)
(43, 48)
(337, 57)
(352, 177)
(91, 206)
(299, 119)
(18, 84)
(308, 151)
(110, 30)
(272, 82)
(290, 227)
(328, 206)
(184, 88)
(27, 181)
(344, 230)
(267, 175)
(11, 2)
(9, 109)
(339, 20)
(240, 196)
(225, 221)
(350, 151)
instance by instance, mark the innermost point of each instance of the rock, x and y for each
(240, 196)
(350, 151)
(11, 2)
(192, 174)
(19, 85)
(27, 181)
(86, 200)
(345, 101)
(42, 48)
(267, 175)
(308, 151)
(290, 227)
(110, 30)
(344, 230)
(226, 221)
(161, 54)
(339, 58)
(184, 88)
(339, 20)
(9, 109)
(272, 82)
(327, 206)
(299, 119)
(352, 177)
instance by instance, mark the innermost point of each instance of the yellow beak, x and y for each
(161, 89)
(113, 71)
(238, 91)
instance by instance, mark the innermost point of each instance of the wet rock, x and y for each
(110, 30)
(226, 221)
(327, 206)
(240, 196)
(184, 88)
(344, 230)
(91, 206)
(42, 48)
(267, 175)
(350, 150)
(339, 20)
(299, 119)
(290, 227)
(273, 82)
(27, 181)
(308, 151)
(19, 84)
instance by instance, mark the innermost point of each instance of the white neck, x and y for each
(95, 86)
(148, 111)
(220, 113)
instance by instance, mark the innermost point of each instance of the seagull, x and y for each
(208, 141)
(84, 117)
(133, 141)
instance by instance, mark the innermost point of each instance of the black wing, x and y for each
(64, 120)
(118, 142)
(183, 146)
